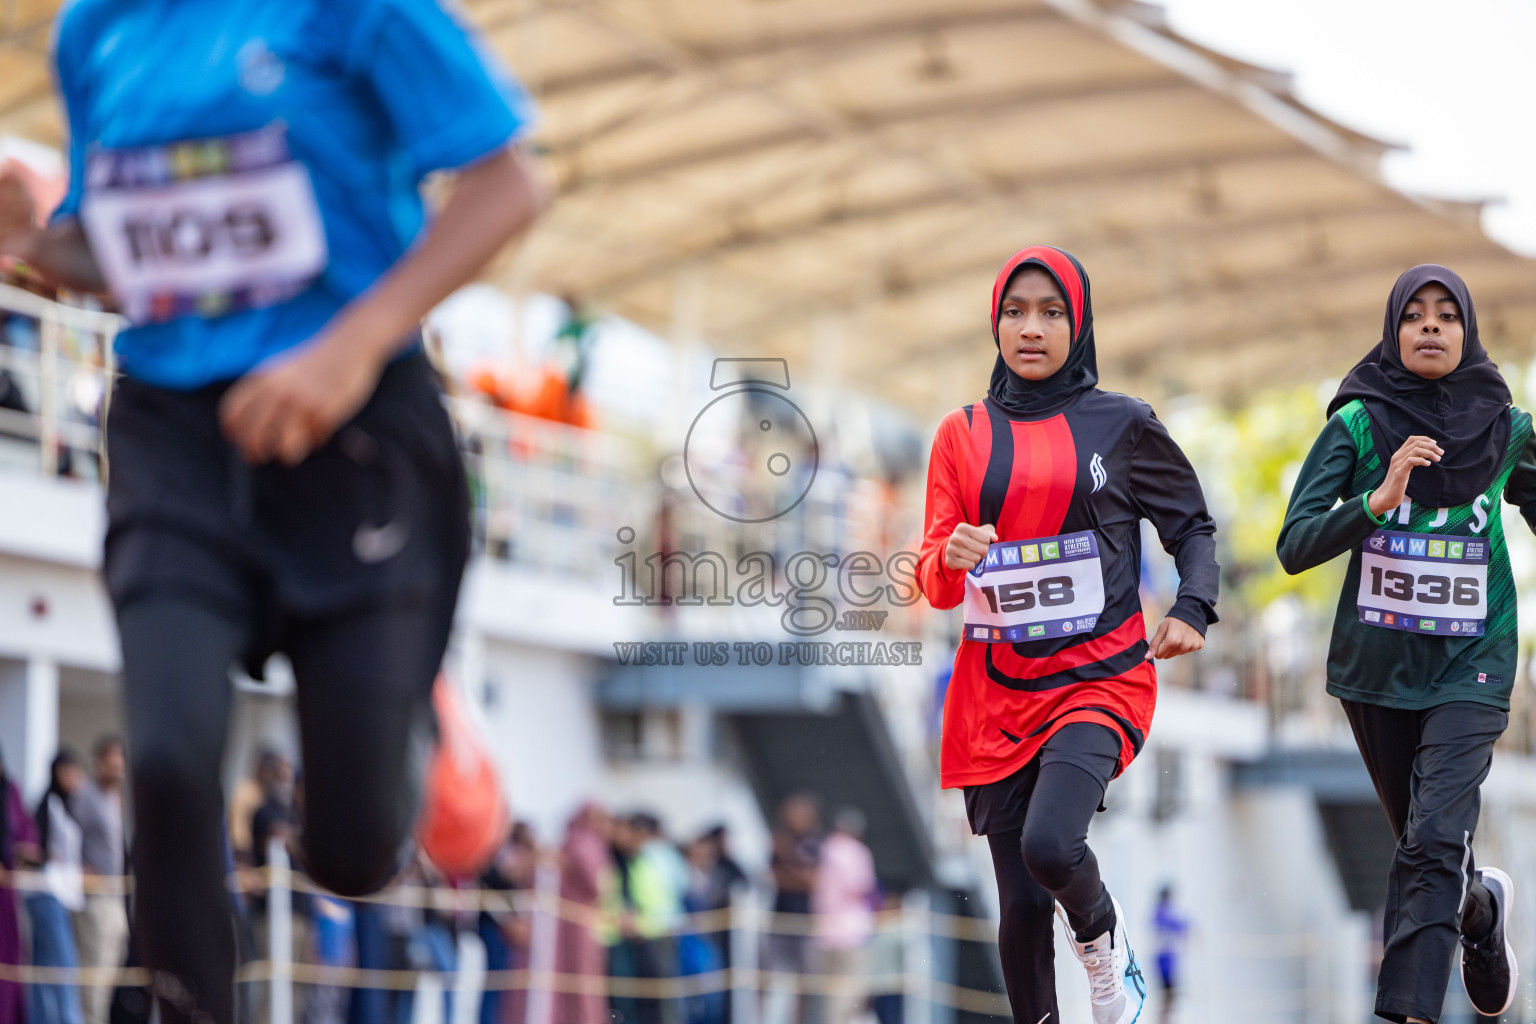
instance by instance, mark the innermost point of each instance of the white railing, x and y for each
(55, 361)
(546, 494)
(1310, 977)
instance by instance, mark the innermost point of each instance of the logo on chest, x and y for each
(1096, 471)
(261, 70)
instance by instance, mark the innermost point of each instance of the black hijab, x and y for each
(42, 816)
(1032, 399)
(1466, 412)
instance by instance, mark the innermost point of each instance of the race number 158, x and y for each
(1019, 597)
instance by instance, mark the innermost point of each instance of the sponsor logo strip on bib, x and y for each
(1424, 583)
(1038, 589)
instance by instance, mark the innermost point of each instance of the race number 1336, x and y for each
(1424, 583)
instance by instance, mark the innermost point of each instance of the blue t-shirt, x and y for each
(367, 96)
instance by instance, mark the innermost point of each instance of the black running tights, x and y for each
(364, 705)
(1047, 860)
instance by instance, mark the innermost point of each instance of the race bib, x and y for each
(1035, 589)
(203, 228)
(1424, 583)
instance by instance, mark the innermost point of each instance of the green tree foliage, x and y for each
(1248, 459)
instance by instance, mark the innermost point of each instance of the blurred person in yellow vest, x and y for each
(646, 908)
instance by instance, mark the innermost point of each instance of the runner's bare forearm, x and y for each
(61, 254)
(492, 203)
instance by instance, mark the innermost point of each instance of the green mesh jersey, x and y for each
(1390, 667)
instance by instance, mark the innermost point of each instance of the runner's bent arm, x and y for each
(59, 252)
(447, 111)
(290, 406)
(492, 203)
(1315, 531)
(1165, 486)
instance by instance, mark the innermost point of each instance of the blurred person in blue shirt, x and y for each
(1170, 929)
(245, 183)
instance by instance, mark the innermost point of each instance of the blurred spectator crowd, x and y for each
(626, 923)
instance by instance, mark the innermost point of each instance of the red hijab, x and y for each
(1035, 399)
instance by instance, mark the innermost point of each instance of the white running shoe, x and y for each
(1115, 983)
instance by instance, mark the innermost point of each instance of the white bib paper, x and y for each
(1424, 583)
(203, 228)
(1035, 589)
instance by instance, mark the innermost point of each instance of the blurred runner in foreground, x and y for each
(1033, 520)
(244, 180)
(1421, 445)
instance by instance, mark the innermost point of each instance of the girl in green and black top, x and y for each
(1421, 445)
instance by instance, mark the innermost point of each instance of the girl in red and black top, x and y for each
(1035, 501)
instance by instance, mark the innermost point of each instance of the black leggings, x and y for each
(1428, 767)
(364, 684)
(1047, 860)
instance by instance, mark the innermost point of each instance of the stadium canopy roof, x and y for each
(836, 182)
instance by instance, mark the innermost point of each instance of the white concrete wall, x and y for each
(13, 716)
(29, 721)
(90, 706)
(543, 728)
(56, 611)
(54, 619)
(55, 520)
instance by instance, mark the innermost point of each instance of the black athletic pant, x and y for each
(1045, 859)
(364, 706)
(1427, 766)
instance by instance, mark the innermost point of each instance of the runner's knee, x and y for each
(356, 868)
(1434, 838)
(1052, 857)
(363, 798)
(1024, 902)
(355, 851)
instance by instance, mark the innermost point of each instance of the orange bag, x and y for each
(464, 819)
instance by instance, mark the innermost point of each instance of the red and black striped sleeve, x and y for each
(943, 509)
